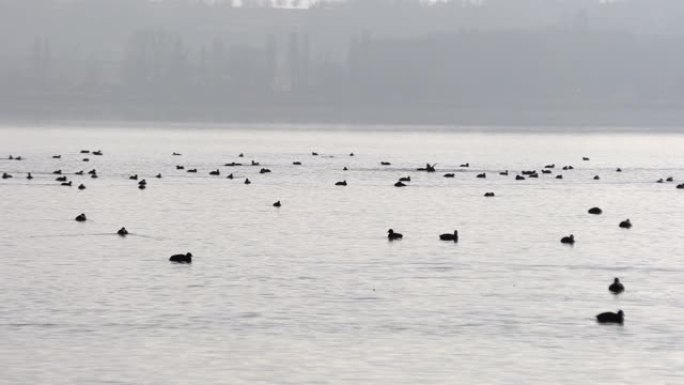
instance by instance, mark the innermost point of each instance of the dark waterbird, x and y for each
(61, 179)
(405, 179)
(97, 153)
(159, 176)
(584, 158)
(230, 176)
(247, 181)
(465, 165)
(391, 235)
(277, 204)
(181, 258)
(254, 163)
(546, 171)
(133, 177)
(559, 176)
(67, 184)
(550, 166)
(595, 211)
(596, 177)
(449, 175)
(568, 240)
(482, 175)
(29, 176)
(626, 224)
(616, 287)
(79, 172)
(314, 153)
(400, 184)
(81, 218)
(342, 183)
(264, 171)
(449, 237)
(519, 177)
(241, 155)
(81, 186)
(85, 151)
(680, 186)
(232, 164)
(669, 179)
(56, 157)
(489, 194)
(611, 318)
(179, 167)
(296, 163)
(57, 172)
(345, 169)
(385, 163)
(618, 169)
(176, 154)
(215, 172)
(86, 159)
(504, 173)
(122, 232)
(192, 170)
(428, 167)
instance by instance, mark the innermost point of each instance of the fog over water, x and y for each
(512, 62)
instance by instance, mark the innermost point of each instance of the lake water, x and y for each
(312, 292)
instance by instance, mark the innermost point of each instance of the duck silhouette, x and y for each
(489, 194)
(626, 224)
(400, 184)
(391, 235)
(296, 163)
(611, 318)
(122, 232)
(595, 211)
(81, 186)
(247, 181)
(67, 184)
(519, 177)
(181, 258)
(342, 183)
(215, 172)
(264, 171)
(277, 204)
(504, 173)
(405, 179)
(559, 176)
(80, 218)
(568, 240)
(29, 176)
(449, 237)
(616, 287)
(449, 175)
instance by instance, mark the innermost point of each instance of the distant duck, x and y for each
(247, 181)
(296, 163)
(85, 151)
(159, 176)
(241, 155)
(122, 232)
(97, 153)
(57, 172)
(29, 176)
(550, 166)
(660, 180)
(519, 177)
(142, 182)
(669, 179)
(92, 172)
(179, 167)
(568, 168)
(314, 153)
(56, 157)
(67, 184)
(81, 218)
(192, 170)
(93, 176)
(504, 173)
(626, 224)
(465, 165)
(142, 186)
(385, 163)
(481, 176)
(215, 172)
(595, 211)
(176, 154)
(230, 176)
(428, 167)
(6, 175)
(10, 157)
(81, 186)
(342, 183)
(611, 318)
(449, 175)
(569, 240)
(546, 171)
(489, 194)
(584, 158)
(133, 177)
(680, 186)
(181, 258)
(400, 184)
(449, 237)
(345, 168)
(405, 179)
(596, 177)
(61, 179)
(86, 159)
(559, 176)
(351, 154)
(618, 169)
(255, 163)
(616, 287)
(391, 235)
(232, 164)
(264, 171)
(534, 175)
(79, 172)
(18, 158)
(277, 204)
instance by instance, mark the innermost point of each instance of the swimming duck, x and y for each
(626, 224)
(449, 237)
(159, 176)
(296, 163)
(465, 165)
(192, 170)
(79, 172)
(122, 232)
(255, 163)
(483, 175)
(215, 172)
(342, 183)
(405, 179)
(56, 157)
(449, 175)
(391, 235)
(314, 153)
(546, 171)
(29, 176)
(85, 151)
(385, 163)
(596, 177)
(345, 168)
(559, 176)
(241, 155)
(98, 153)
(504, 173)
(61, 179)
(669, 179)
(66, 184)
(230, 176)
(133, 177)
(584, 158)
(618, 169)
(616, 287)
(81, 186)
(277, 204)
(550, 166)
(519, 177)
(264, 171)
(57, 172)
(86, 159)
(595, 211)
(81, 218)
(179, 167)
(247, 181)
(569, 240)
(489, 194)
(176, 154)
(400, 184)
(181, 258)
(611, 318)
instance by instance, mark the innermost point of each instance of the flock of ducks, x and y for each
(616, 287)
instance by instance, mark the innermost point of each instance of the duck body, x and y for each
(616, 287)
(611, 318)
(181, 258)
(595, 211)
(391, 235)
(449, 237)
(81, 218)
(122, 232)
(400, 184)
(569, 240)
(626, 224)
(342, 183)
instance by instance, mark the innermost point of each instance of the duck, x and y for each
(400, 184)
(504, 173)
(626, 224)
(241, 155)
(133, 177)
(192, 170)
(81, 218)
(680, 186)
(86, 159)
(57, 157)
(81, 186)
(179, 167)
(669, 179)
(519, 177)
(215, 172)
(85, 151)
(92, 172)
(61, 179)
(546, 171)
(122, 232)
(568, 240)
(405, 179)
(57, 172)
(559, 176)
(342, 183)
(351, 154)
(142, 186)
(661, 180)
(534, 175)
(255, 163)
(79, 172)
(385, 163)
(596, 177)
(584, 158)
(93, 176)
(611, 318)
(181, 258)
(232, 164)
(176, 154)
(449, 237)
(345, 168)
(230, 176)
(296, 163)
(553, 165)
(595, 211)
(159, 176)
(449, 175)
(67, 184)
(465, 165)
(482, 175)
(618, 169)
(97, 153)
(142, 182)
(247, 181)
(29, 176)
(277, 204)
(18, 158)
(391, 235)
(428, 167)
(489, 194)
(314, 153)
(616, 287)
(264, 171)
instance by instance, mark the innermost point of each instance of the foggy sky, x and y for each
(476, 62)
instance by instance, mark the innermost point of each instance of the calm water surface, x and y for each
(312, 292)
